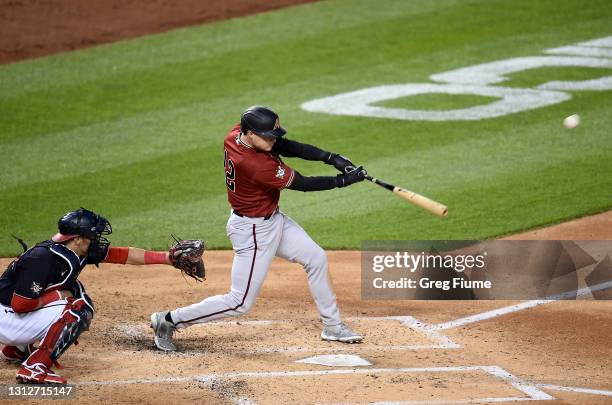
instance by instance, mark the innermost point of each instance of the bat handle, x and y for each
(381, 183)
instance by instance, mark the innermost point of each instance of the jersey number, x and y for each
(230, 173)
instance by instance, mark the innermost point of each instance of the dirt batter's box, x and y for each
(384, 333)
(407, 386)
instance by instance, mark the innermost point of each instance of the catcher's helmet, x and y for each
(262, 121)
(82, 222)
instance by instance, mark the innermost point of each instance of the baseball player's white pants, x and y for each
(256, 241)
(24, 329)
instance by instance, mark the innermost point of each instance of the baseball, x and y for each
(572, 121)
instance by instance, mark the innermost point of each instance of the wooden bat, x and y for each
(417, 199)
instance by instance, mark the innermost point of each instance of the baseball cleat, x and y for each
(38, 373)
(163, 332)
(340, 333)
(16, 354)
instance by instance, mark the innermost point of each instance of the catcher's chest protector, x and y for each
(59, 270)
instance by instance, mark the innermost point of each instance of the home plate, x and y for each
(336, 360)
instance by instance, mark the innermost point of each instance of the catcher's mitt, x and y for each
(186, 255)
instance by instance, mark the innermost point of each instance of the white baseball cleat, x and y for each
(340, 333)
(163, 332)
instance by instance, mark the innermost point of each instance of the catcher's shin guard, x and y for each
(78, 320)
(74, 320)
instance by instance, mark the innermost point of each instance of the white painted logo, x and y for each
(280, 172)
(478, 80)
(36, 288)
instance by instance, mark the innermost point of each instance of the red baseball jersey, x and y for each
(254, 179)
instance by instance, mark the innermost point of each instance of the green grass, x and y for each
(436, 101)
(535, 77)
(134, 129)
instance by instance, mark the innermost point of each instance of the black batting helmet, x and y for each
(262, 121)
(82, 222)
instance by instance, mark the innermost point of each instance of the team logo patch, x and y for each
(280, 172)
(36, 288)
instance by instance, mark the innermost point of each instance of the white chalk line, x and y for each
(441, 341)
(532, 392)
(575, 389)
(243, 401)
(443, 401)
(580, 293)
(488, 315)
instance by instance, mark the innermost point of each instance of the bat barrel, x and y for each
(414, 198)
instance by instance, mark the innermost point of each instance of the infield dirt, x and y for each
(565, 343)
(33, 28)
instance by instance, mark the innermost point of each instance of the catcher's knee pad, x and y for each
(74, 320)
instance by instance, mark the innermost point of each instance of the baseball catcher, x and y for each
(43, 300)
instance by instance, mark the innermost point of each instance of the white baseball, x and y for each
(572, 121)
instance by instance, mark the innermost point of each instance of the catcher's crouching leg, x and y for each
(74, 320)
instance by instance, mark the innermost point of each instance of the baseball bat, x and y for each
(415, 198)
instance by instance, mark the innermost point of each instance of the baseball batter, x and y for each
(255, 174)
(42, 300)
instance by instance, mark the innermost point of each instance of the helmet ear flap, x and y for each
(243, 125)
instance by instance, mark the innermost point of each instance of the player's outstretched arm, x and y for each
(185, 255)
(137, 256)
(288, 148)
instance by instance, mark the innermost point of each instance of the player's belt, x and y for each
(265, 218)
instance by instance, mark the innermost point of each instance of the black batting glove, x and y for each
(353, 176)
(341, 163)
